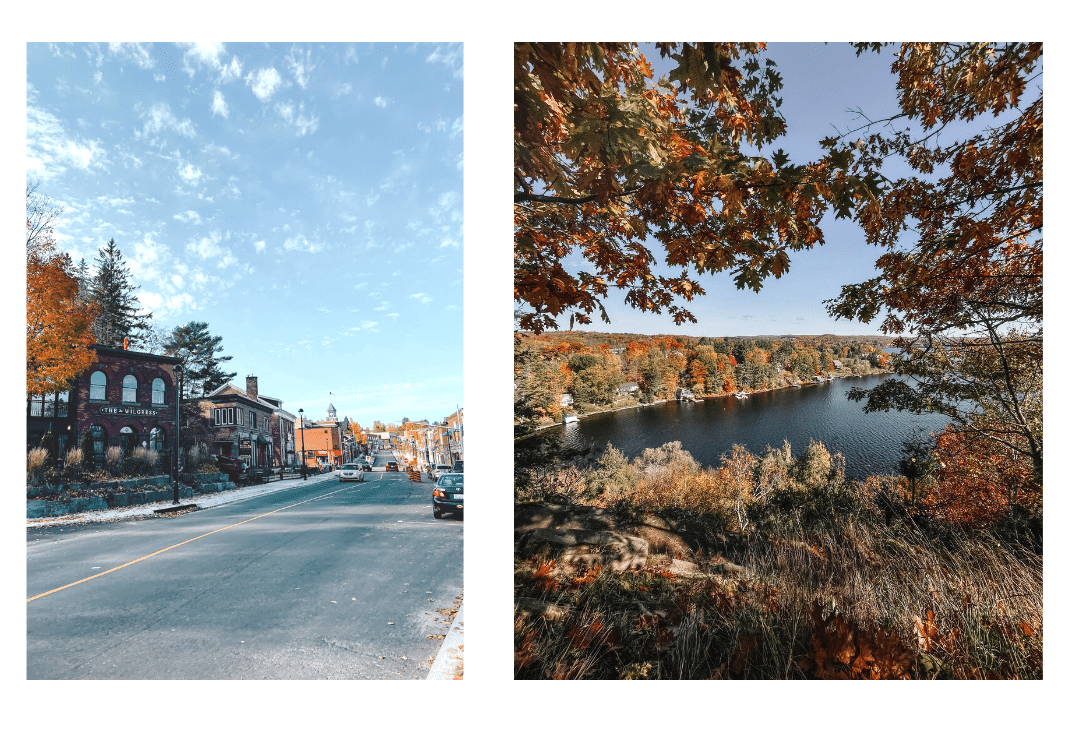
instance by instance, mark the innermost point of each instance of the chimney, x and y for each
(252, 387)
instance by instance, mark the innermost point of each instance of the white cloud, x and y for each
(301, 67)
(50, 150)
(210, 248)
(285, 111)
(451, 57)
(260, 246)
(301, 244)
(264, 82)
(381, 101)
(210, 55)
(304, 123)
(137, 52)
(189, 173)
(219, 105)
(423, 298)
(160, 118)
(188, 217)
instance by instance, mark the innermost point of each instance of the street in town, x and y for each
(319, 580)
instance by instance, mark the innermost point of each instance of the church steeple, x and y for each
(331, 414)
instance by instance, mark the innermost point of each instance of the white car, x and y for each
(440, 470)
(350, 471)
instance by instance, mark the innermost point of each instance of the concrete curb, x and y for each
(450, 659)
(205, 500)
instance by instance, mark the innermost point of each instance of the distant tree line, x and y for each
(546, 367)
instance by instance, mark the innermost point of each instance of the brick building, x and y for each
(282, 427)
(321, 440)
(125, 399)
(238, 424)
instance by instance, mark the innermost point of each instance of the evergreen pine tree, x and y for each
(202, 372)
(114, 293)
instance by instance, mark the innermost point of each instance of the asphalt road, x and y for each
(322, 580)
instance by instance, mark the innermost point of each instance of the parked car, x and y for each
(391, 467)
(326, 468)
(230, 466)
(350, 471)
(448, 495)
(440, 470)
(458, 466)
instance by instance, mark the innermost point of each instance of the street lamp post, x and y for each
(303, 443)
(176, 371)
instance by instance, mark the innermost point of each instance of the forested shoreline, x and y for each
(604, 371)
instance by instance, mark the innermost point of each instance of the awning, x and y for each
(265, 440)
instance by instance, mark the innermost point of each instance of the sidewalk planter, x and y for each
(208, 482)
(117, 494)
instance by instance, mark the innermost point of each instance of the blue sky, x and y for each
(822, 86)
(305, 200)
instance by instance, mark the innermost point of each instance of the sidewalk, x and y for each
(207, 500)
(449, 663)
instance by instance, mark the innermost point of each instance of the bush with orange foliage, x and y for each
(978, 481)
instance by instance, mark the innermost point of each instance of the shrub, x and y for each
(114, 461)
(612, 478)
(143, 460)
(35, 464)
(73, 459)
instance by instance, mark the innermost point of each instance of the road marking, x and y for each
(162, 551)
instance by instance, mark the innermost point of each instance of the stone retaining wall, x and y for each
(121, 493)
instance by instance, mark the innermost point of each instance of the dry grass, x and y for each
(831, 588)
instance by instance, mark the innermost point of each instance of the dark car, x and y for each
(391, 467)
(230, 466)
(366, 465)
(448, 495)
(458, 466)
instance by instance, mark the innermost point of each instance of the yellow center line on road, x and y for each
(162, 551)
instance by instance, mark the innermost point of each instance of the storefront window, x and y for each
(158, 391)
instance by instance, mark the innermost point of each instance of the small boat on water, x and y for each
(568, 418)
(742, 395)
(796, 385)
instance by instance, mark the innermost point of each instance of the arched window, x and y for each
(130, 388)
(97, 386)
(128, 439)
(158, 391)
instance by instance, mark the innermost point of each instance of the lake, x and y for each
(871, 443)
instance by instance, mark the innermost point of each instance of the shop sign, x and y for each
(134, 411)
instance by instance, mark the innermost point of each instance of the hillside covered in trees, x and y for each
(599, 369)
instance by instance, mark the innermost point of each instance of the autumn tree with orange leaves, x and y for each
(58, 321)
(968, 283)
(609, 160)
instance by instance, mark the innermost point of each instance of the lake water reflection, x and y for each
(871, 443)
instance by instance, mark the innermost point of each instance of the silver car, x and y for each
(350, 471)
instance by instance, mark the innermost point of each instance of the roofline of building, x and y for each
(111, 350)
(214, 398)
